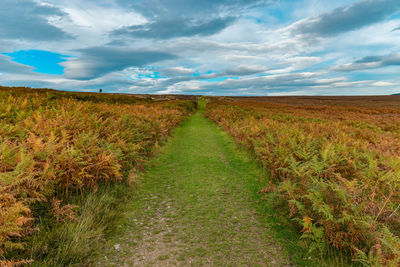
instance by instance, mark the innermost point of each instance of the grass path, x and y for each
(195, 206)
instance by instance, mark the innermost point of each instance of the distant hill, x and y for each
(397, 94)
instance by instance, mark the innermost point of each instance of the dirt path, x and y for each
(196, 207)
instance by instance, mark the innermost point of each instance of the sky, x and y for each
(205, 47)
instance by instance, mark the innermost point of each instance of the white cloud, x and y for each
(177, 71)
(383, 84)
(257, 47)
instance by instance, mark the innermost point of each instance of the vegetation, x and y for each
(336, 166)
(57, 146)
(66, 160)
(196, 205)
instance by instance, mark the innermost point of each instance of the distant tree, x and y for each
(101, 90)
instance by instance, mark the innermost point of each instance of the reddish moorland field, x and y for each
(335, 161)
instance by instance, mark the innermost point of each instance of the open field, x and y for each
(334, 161)
(314, 182)
(381, 101)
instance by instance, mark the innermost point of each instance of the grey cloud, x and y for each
(177, 18)
(167, 8)
(241, 70)
(179, 76)
(348, 18)
(179, 79)
(25, 19)
(199, 45)
(36, 83)
(277, 83)
(272, 81)
(396, 29)
(177, 27)
(97, 61)
(8, 66)
(111, 83)
(245, 70)
(370, 62)
(369, 59)
(260, 85)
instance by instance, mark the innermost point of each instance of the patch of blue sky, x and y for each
(147, 75)
(369, 75)
(158, 76)
(394, 16)
(278, 13)
(42, 61)
(148, 72)
(277, 17)
(282, 11)
(198, 73)
(154, 75)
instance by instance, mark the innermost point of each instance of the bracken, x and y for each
(54, 144)
(337, 167)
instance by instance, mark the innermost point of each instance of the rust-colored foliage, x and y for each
(54, 144)
(337, 166)
(63, 213)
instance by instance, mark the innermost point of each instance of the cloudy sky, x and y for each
(215, 47)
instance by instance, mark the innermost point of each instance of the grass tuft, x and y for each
(70, 243)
